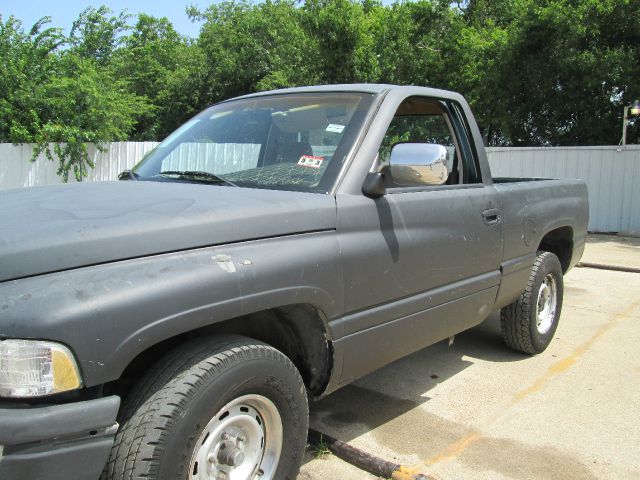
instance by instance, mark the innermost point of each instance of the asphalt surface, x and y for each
(477, 410)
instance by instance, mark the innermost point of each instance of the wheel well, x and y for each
(298, 331)
(560, 243)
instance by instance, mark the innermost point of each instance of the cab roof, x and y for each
(374, 88)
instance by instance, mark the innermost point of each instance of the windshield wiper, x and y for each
(128, 175)
(198, 176)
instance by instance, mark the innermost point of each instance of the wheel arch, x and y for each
(300, 331)
(559, 241)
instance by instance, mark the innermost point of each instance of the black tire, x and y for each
(519, 321)
(166, 414)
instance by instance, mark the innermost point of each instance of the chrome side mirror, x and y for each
(416, 164)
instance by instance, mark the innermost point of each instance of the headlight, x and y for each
(33, 368)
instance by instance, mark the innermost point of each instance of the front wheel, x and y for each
(226, 408)
(529, 323)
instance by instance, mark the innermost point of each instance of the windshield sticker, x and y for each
(309, 161)
(335, 128)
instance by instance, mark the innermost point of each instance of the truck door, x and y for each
(421, 262)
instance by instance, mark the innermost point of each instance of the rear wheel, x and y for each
(226, 408)
(529, 323)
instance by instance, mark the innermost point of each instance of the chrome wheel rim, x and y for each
(546, 304)
(242, 441)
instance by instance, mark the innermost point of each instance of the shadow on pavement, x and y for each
(383, 405)
(403, 385)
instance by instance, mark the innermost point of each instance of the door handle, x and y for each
(492, 216)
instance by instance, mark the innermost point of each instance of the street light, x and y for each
(632, 110)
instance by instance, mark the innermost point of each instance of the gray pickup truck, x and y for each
(276, 247)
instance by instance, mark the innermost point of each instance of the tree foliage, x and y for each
(536, 72)
(86, 105)
(27, 64)
(62, 99)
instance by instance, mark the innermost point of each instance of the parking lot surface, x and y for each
(477, 410)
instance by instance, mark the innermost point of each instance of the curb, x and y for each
(602, 266)
(365, 461)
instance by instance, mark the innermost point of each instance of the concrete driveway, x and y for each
(477, 410)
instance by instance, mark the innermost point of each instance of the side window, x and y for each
(424, 121)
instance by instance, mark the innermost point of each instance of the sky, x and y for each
(64, 12)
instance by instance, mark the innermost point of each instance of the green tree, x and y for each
(96, 33)
(418, 44)
(250, 47)
(60, 100)
(568, 69)
(28, 62)
(148, 57)
(343, 33)
(84, 105)
(536, 72)
(483, 45)
(184, 91)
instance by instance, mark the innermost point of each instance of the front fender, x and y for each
(108, 314)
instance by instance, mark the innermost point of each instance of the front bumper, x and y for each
(58, 442)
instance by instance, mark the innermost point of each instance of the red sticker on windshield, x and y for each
(309, 161)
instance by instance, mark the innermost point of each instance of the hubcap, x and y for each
(242, 441)
(546, 304)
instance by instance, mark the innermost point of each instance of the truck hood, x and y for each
(48, 229)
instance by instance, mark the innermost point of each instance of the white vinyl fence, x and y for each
(612, 173)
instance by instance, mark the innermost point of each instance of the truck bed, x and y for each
(531, 207)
